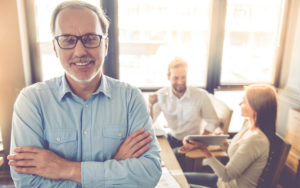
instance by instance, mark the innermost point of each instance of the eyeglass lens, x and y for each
(70, 41)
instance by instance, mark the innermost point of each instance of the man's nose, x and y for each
(79, 49)
(181, 81)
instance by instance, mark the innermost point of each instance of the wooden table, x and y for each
(194, 158)
(168, 157)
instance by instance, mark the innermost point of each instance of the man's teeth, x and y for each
(82, 64)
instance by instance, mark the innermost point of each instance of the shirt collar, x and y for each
(104, 87)
(186, 94)
(65, 89)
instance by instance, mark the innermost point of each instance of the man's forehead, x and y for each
(82, 20)
(178, 69)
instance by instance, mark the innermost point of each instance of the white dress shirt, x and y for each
(185, 115)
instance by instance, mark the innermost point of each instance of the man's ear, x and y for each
(54, 48)
(106, 45)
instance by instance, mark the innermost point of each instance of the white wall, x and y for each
(289, 91)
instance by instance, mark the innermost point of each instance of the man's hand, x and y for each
(152, 99)
(42, 162)
(134, 146)
(206, 132)
(189, 145)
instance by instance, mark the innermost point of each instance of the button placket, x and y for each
(86, 131)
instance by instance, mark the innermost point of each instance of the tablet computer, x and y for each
(209, 139)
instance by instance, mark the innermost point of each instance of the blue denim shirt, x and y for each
(49, 115)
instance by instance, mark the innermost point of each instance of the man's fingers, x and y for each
(136, 138)
(134, 134)
(30, 149)
(141, 137)
(140, 144)
(134, 145)
(25, 170)
(22, 163)
(194, 142)
(141, 151)
(21, 156)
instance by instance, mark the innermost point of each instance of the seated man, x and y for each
(82, 129)
(184, 107)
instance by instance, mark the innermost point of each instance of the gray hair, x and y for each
(103, 19)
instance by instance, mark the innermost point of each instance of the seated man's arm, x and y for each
(154, 108)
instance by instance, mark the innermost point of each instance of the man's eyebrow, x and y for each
(82, 34)
(91, 33)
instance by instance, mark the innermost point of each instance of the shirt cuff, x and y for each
(210, 127)
(88, 176)
(209, 160)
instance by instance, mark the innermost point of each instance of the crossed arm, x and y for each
(45, 163)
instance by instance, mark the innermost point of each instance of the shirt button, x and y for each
(86, 105)
(58, 139)
(85, 132)
(120, 134)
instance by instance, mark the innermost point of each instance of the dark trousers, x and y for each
(175, 145)
(201, 180)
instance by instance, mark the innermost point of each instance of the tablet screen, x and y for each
(209, 139)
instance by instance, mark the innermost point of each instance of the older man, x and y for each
(82, 129)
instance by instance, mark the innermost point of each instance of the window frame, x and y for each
(215, 47)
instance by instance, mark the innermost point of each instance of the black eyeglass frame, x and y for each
(78, 38)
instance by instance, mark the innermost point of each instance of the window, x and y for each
(252, 35)
(245, 40)
(153, 32)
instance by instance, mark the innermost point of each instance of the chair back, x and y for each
(224, 113)
(279, 150)
(297, 177)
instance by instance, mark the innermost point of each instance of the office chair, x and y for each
(278, 154)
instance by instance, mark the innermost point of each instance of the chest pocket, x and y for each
(113, 136)
(63, 142)
(190, 111)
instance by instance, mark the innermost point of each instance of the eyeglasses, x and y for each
(69, 41)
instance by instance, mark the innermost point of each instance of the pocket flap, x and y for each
(114, 132)
(62, 136)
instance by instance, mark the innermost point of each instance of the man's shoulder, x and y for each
(118, 85)
(40, 87)
(164, 89)
(197, 90)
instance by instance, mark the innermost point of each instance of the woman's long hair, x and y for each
(263, 100)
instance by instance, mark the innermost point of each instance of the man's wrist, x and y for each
(72, 171)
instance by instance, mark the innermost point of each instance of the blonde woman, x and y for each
(249, 150)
